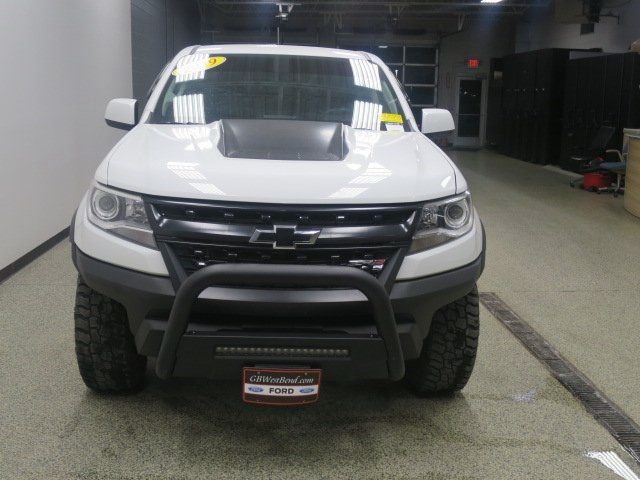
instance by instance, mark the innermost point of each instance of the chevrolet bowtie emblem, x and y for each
(285, 236)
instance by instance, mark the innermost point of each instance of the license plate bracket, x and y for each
(282, 386)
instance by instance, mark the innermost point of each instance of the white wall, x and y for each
(61, 61)
(542, 31)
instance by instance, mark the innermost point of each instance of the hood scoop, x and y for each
(282, 140)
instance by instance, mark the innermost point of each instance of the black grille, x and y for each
(192, 256)
(200, 234)
(236, 215)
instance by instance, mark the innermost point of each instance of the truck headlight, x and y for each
(442, 221)
(121, 214)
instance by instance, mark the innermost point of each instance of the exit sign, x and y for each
(473, 63)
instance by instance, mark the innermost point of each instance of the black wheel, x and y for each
(449, 351)
(105, 349)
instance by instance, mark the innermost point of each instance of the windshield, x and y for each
(204, 88)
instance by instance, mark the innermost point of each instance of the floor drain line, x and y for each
(607, 413)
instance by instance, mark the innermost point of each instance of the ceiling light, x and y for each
(490, 1)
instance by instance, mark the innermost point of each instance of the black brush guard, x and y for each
(280, 276)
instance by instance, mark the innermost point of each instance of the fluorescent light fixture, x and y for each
(189, 108)
(366, 115)
(186, 170)
(612, 461)
(345, 192)
(490, 1)
(365, 74)
(191, 67)
(208, 188)
(373, 174)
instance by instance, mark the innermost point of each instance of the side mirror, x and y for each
(436, 120)
(122, 113)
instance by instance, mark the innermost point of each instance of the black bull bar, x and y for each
(280, 276)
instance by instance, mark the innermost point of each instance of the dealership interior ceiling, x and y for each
(356, 16)
(393, 11)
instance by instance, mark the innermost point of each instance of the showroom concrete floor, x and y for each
(565, 260)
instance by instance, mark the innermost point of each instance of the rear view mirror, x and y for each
(122, 113)
(436, 120)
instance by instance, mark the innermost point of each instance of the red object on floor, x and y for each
(596, 180)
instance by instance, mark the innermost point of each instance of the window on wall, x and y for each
(416, 66)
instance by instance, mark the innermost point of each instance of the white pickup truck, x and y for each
(275, 215)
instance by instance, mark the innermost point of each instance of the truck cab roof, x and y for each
(278, 50)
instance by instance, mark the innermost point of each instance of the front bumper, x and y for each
(286, 318)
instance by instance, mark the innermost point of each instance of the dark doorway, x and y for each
(469, 107)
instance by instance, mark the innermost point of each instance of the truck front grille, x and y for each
(193, 256)
(231, 214)
(199, 234)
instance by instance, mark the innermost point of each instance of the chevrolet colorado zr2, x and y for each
(276, 216)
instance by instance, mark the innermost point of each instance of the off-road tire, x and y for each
(449, 351)
(105, 349)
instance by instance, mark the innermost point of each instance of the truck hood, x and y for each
(184, 161)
